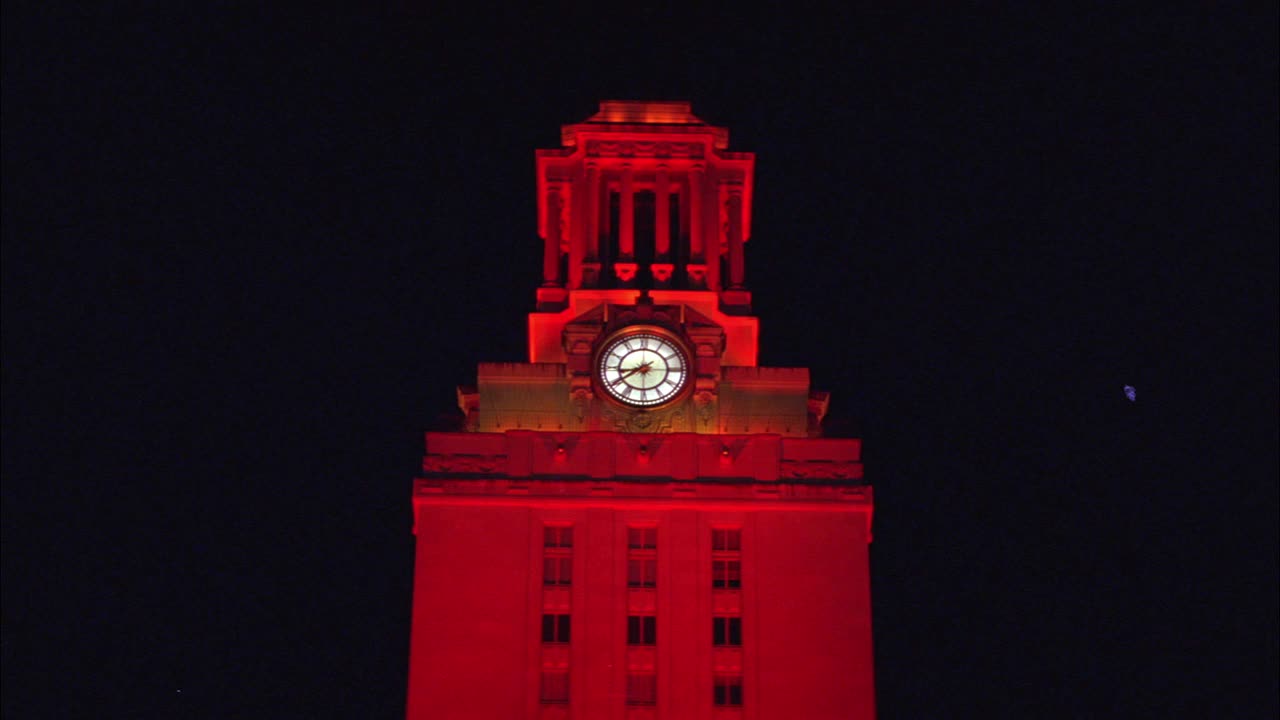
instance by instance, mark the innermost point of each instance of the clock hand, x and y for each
(624, 375)
(643, 368)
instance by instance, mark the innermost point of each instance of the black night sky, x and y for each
(248, 256)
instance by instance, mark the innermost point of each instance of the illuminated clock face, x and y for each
(643, 369)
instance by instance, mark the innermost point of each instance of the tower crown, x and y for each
(644, 195)
(643, 322)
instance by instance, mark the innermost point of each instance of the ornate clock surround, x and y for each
(616, 382)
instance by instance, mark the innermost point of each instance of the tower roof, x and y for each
(645, 116)
(663, 112)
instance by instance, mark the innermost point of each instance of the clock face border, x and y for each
(638, 331)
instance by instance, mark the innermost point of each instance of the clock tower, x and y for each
(642, 522)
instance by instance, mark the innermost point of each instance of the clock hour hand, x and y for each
(641, 368)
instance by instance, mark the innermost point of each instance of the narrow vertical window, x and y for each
(555, 685)
(557, 570)
(642, 557)
(557, 536)
(642, 630)
(726, 574)
(726, 631)
(642, 572)
(726, 558)
(726, 540)
(555, 628)
(642, 688)
(642, 538)
(557, 555)
(727, 691)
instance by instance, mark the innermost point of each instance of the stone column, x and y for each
(733, 209)
(593, 212)
(627, 216)
(697, 267)
(590, 272)
(662, 217)
(551, 244)
(713, 239)
(696, 221)
(662, 267)
(624, 266)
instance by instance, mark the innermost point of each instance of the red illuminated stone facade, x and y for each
(641, 522)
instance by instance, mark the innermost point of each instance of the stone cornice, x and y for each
(596, 492)
(678, 457)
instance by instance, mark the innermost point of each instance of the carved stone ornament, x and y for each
(704, 402)
(697, 275)
(561, 445)
(650, 315)
(820, 470)
(644, 421)
(581, 399)
(462, 463)
(626, 271)
(643, 448)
